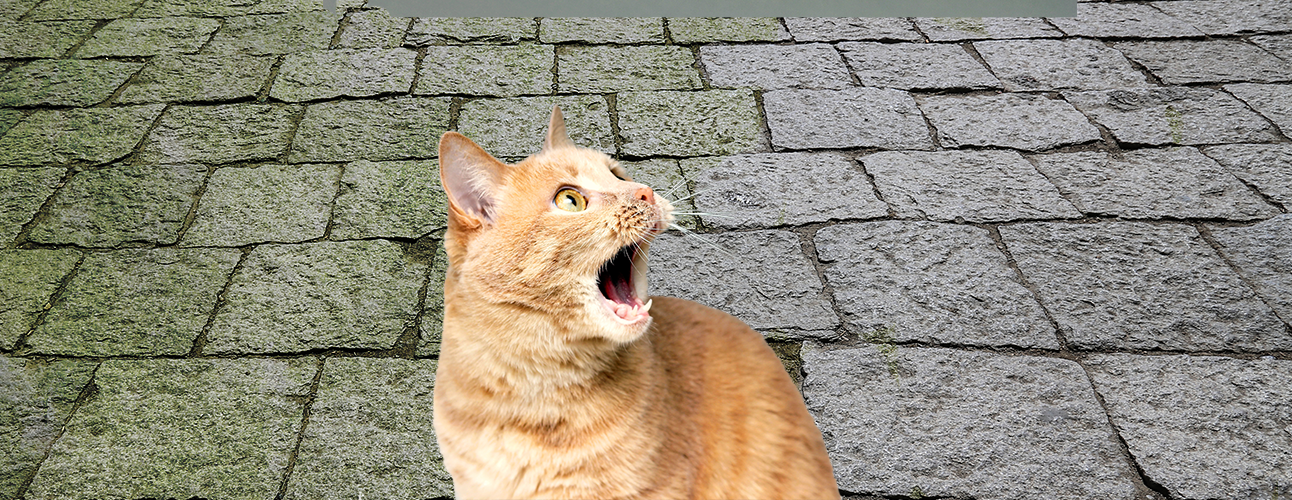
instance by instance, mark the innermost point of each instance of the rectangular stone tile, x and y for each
(35, 400)
(1230, 17)
(325, 295)
(370, 433)
(832, 29)
(1058, 64)
(373, 29)
(1180, 62)
(1272, 101)
(954, 29)
(1134, 285)
(715, 122)
(1268, 167)
(688, 30)
(149, 37)
(275, 34)
(220, 134)
(937, 423)
(847, 118)
(25, 190)
(431, 329)
(64, 82)
(126, 203)
(1123, 20)
(1021, 121)
(181, 428)
(50, 39)
(28, 280)
(451, 30)
(666, 177)
(1173, 115)
(778, 189)
(389, 199)
(489, 70)
(603, 69)
(74, 9)
(96, 135)
(916, 66)
(1279, 45)
(515, 127)
(224, 8)
(199, 78)
(270, 203)
(601, 29)
(804, 66)
(1201, 426)
(389, 129)
(1263, 254)
(311, 76)
(932, 283)
(1176, 183)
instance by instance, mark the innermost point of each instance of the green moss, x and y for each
(1175, 120)
(967, 24)
(882, 338)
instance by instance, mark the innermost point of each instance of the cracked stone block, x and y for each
(955, 424)
(805, 66)
(388, 129)
(489, 70)
(1123, 20)
(205, 78)
(955, 29)
(24, 191)
(761, 277)
(135, 302)
(11, 10)
(665, 123)
(64, 82)
(666, 177)
(35, 400)
(1272, 101)
(74, 9)
(128, 203)
(373, 29)
(515, 127)
(270, 203)
(451, 30)
(1279, 45)
(1173, 115)
(220, 134)
(1231, 17)
(1263, 254)
(431, 329)
(1268, 167)
(1136, 285)
(1178, 183)
(928, 282)
(225, 8)
(1179, 62)
(958, 186)
(181, 428)
(601, 29)
(916, 66)
(688, 30)
(8, 118)
(370, 433)
(848, 118)
(325, 74)
(1021, 121)
(149, 37)
(51, 39)
(275, 34)
(1058, 64)
(95, 135)
(750, 191)
(389, 199)
(1201, 426)
(831, 29)
(602, 68)
(28, 279)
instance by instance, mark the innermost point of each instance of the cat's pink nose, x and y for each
(645, 194)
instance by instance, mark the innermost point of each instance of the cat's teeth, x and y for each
(646, 306)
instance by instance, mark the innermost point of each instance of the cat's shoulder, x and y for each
(694, 324)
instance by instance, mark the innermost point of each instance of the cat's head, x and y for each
(563, 233)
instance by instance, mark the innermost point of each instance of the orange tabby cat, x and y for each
(559, 378)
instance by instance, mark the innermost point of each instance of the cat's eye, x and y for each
(570, 200)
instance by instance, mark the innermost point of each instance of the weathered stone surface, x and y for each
(205, 78)
(13, 9)
(954, 29)
(515, 128)
(35, 400)
(73, 9)
(1263, 254)
(1231, 17)
(64, 82)
(441, 30)
(1123, 20)
(1134, 285)
(974, 186)
(9, 117)
(1273, 101)
(1173, 115)
(96, 135)
(370, 433)
(916, 66)
(220, 134)
(486, 70)
(668, 180)
(1179, 62)
(687, 30)
(1201, 426)
(270, 203)
(1022, 121)
(932, 283)
(603, 68)
(149, 37)
(373, 29)
(601, 29)
(389, 129)
(761, 277)
(943, 423)
(28, 279)
(296, 298)
(848, 118)
(224, 8)
(310, 76)
(1266, 166)
(808, 66)
(750, 191)
(135, 302)
(716, 122)
(275, 34)
(25, 190)
(1279, 45)
(389, 199)
(1058, 64)
(830, 29)
(1152, 184)
(180, 428)
(128, 203)
(22, 40)
(431, 329)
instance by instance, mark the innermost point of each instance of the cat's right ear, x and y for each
(471, 178)
(557, 137)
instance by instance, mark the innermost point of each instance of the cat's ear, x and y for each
(471, 178)
(556, 136)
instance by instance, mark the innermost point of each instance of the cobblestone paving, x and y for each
(1005, 258)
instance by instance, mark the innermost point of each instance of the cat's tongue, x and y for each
(631, 313)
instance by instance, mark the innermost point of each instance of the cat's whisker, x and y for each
(706, 214)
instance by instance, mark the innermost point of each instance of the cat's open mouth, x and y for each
(622, 283)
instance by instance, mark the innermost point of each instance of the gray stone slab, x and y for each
(73, 9)
(1201, 426)
(35, 400)
(802, 66)
(199, 78)
(1123, 20)
(25, 190)
(959, 186)
(220, 134)
(311, 76)
(127, 203)
(1272, 101)
(28, 280)
(604, 69)
(515, 127)
(848, 118)
(51, 39)
(135, 302)
(668, 180)
(389, 199)
(919, 423)
(275, 34)
(442, 30)
(1178, 183)
(269, 203)
(1230, 17)
(750, 191)
(96, 135)
(1179, 62)
(832, 29)
(1173, 115)
(1279, 45)
(1263, 254)
(431, 329)
(10, 117)
(601, 29)
(370, 433)
(224, 8)
(954, 29)
(1268, 167)
(1074, 63)
(325, 295)
(181, 428)
(1021, 121)
(688, 30)
(715, 122)
(487, 70)
(1134, 285)
(64, 82)
(373, 29)
(388, 129)
(13, 9)
(916, 66)
(761, 277)
(149, 37)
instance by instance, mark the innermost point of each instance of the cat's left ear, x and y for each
(556, 136)
(471, 178)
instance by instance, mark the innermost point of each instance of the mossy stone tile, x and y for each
(325, 295)
(64, 82)
(149, 37)
(371, 29)
(79, 9)
(108, 207)
(14, 9)
(515, 128)
(181, 428)
(269, 203)
(275, 34)
(390, 129)
(715, 122)
(687, 30)
(220, 134)
(451, 30)
(601, 29)
(24, 191)
(9, 117)
(371, 433)
(199, 77)
(389, 199)
(135, 302)
(431, 330)
(489, 70)
(310, 76)
(28, 279)
(35, 400)
(52, 39)
(97, 135)
(601, 69)
(224, 8)
(954, 29)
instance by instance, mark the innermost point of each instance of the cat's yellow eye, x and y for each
(570, 200)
